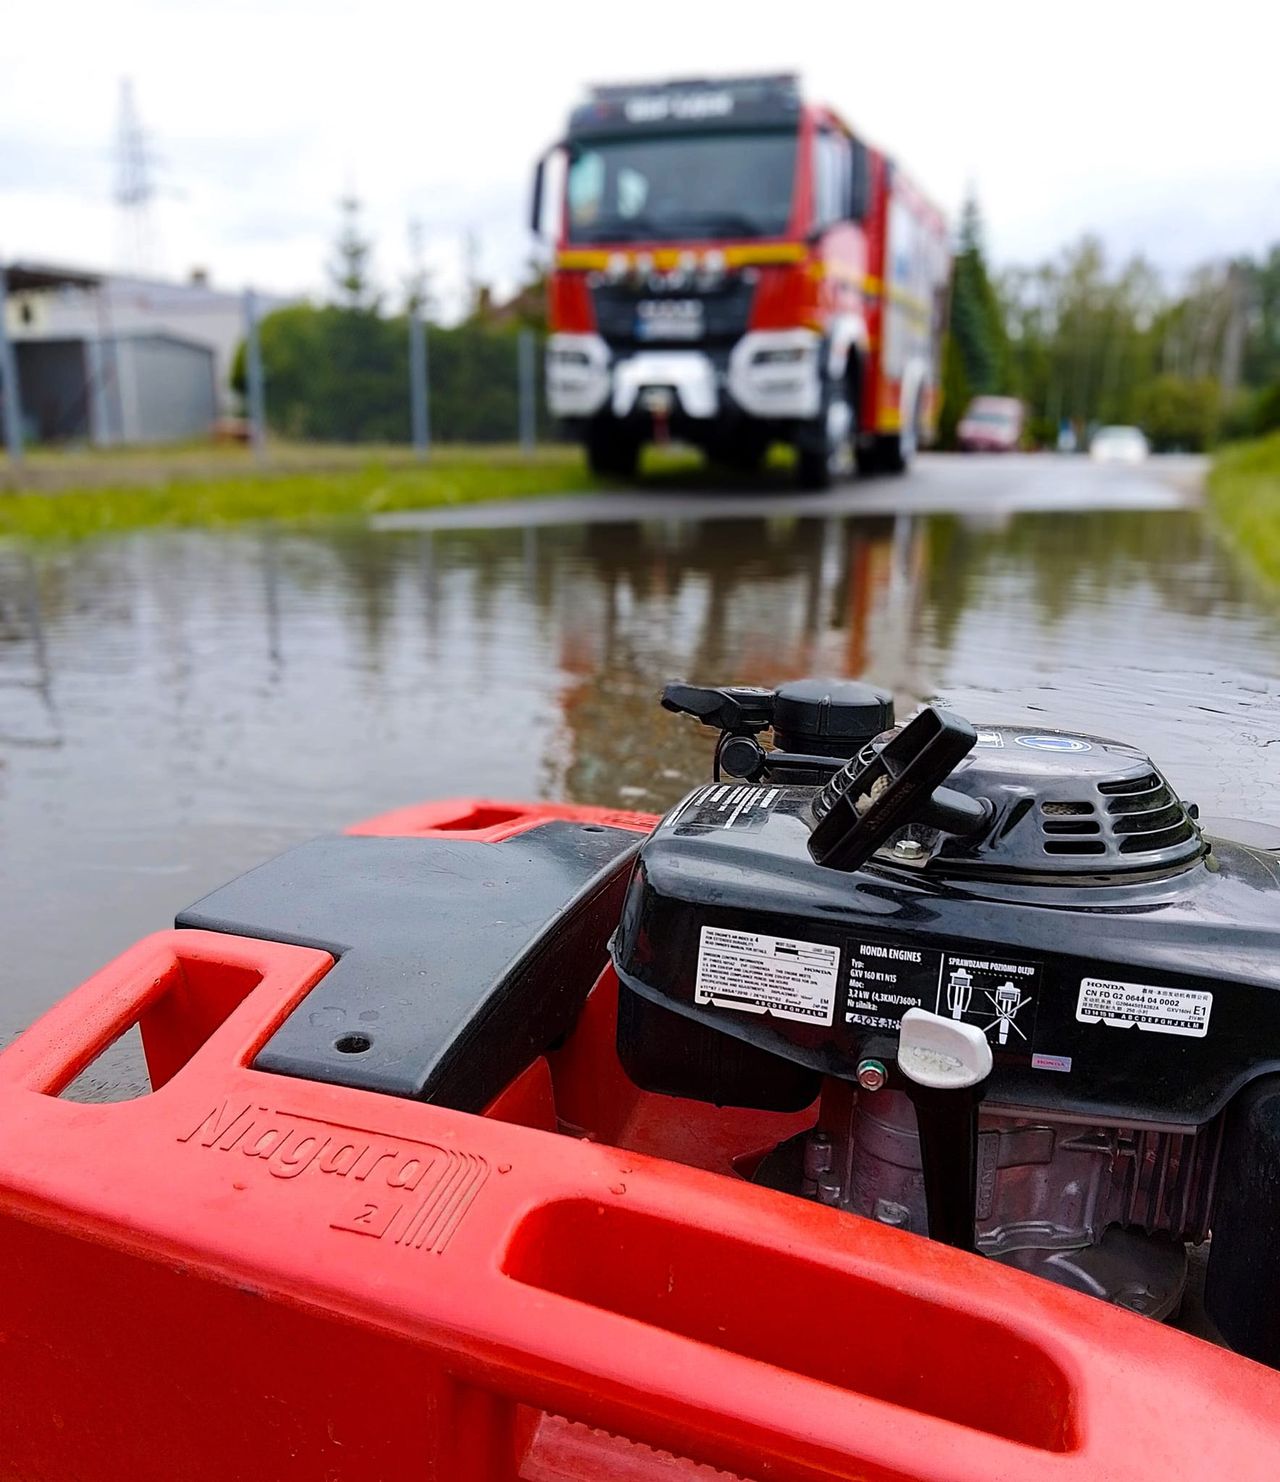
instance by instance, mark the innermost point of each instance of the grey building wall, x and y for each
(147, 388)
(167, 388)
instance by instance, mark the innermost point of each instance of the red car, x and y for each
(991, 424)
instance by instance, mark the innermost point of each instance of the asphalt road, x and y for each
(988, 485)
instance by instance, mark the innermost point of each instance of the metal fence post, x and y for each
(9, 390)
(525, 353)
(253, 375)
(419, 390)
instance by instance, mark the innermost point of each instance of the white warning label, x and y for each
(767, 975)
(1157, 1010)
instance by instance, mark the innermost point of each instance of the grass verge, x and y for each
(1244, 495)
(114, 496)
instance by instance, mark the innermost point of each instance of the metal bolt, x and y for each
(872, 1075)
(908, 849)
(887, 1212)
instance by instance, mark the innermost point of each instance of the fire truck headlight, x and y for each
(616, 267)
(786, 355)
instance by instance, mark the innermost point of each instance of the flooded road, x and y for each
(176, 706)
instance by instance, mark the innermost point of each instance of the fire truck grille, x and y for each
(726, 312)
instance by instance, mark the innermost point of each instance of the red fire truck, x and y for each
(735, 267)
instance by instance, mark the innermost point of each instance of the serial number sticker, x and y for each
(760, 974)
(1157, 1010)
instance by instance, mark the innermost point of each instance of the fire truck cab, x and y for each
(734, 267)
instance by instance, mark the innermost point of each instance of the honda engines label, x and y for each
(760, 974)
(1157, 1010)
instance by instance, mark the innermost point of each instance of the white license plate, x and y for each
(669, 319)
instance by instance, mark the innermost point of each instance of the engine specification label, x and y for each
(761, 974)
(1157, 1010)
(1000, 996)
(885, 980)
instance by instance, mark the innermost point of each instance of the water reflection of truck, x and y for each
(734, 267)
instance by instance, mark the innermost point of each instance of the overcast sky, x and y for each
(1152, 124)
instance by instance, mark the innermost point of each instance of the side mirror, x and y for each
(535, 202)
(859, 181)
(539, 175)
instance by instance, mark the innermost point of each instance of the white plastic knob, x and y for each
(942, 1054)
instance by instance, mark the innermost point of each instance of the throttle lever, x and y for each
(741, 709)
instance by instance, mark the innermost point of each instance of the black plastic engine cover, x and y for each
(458, 962)
(1242, 1290)
(1145, 998)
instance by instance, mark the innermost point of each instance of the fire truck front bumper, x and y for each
(577, 375)
(769, 375)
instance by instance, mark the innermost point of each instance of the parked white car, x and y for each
(1118, 445)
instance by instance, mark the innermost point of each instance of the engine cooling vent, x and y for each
(1145, 815)
(1071, 828)
(1130, 818)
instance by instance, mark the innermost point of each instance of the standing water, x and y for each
(175, 707)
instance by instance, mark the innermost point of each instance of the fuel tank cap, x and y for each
(830, 717)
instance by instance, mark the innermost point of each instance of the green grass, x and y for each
(1244, 495)
(73, 496)
(88, 495)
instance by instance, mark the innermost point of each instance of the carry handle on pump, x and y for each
(862, 805)
(52, 1052)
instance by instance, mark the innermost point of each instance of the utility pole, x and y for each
(253, 376)
(1234, 334)
(471, 269)
(9, 392)
(419, 388)
(525, 353)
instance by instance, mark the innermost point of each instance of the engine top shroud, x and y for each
(1122, 965)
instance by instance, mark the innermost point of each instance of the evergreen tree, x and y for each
(350, 267)
(975, 362)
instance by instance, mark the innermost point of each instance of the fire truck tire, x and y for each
(889, 457)
(611, 454)
(895, 453)
(825, 448)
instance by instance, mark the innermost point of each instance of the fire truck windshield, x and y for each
(672, 186)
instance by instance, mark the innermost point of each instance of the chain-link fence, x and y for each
(124, 370)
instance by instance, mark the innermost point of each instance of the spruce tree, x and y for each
(975, 362)
(350, 267)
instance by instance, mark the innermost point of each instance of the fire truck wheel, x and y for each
(889, 455)
(612, 455)
(825, 451)
(895, 454)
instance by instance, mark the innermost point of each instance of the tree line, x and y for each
(1080, 340)
(1085, 342)
(339, 371)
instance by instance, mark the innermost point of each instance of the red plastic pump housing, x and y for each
(247, 1275)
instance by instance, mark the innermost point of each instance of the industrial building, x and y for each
(110, 360)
